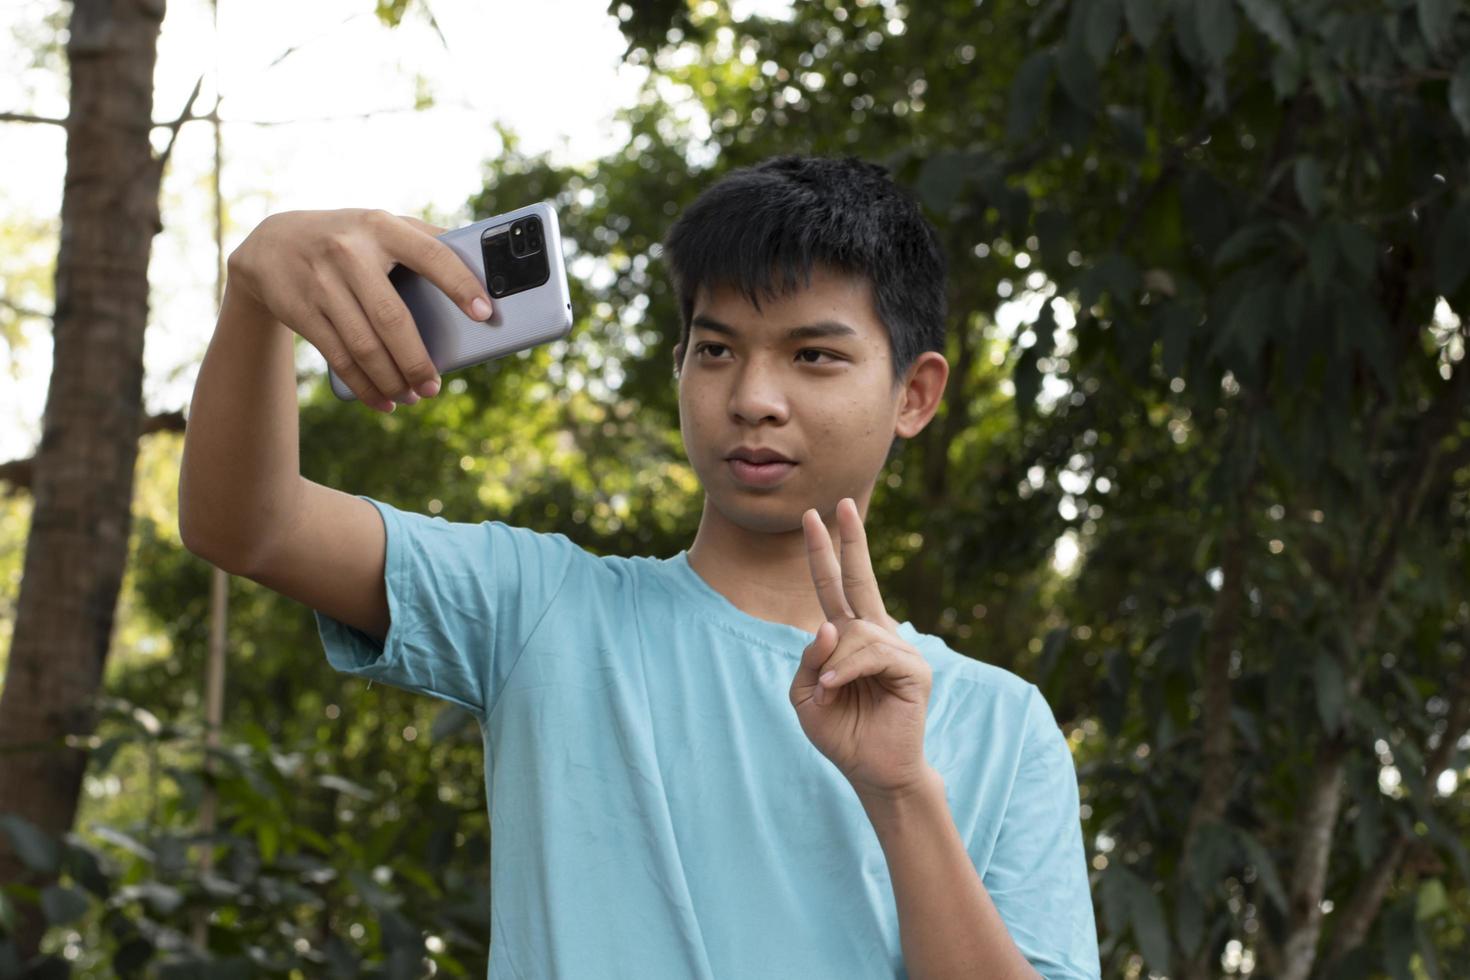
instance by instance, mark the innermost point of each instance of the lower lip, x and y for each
(760, 474)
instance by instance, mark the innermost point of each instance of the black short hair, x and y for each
(762, 229)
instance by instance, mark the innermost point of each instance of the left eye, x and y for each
(819, 353)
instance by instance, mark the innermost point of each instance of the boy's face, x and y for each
(825, 401)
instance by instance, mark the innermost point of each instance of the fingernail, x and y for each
(829, 677)
(386, 406)
(480, 309)
(410, 397)
(429, 388)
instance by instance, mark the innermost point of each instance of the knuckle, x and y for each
(418, 370)
(825, 582)
(434, 254)
(341, 362)
(359, 344)
(337, 245)
(388, 312)
(377, 218)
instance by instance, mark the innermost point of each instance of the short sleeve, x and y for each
(1037, 876)
(463, 600)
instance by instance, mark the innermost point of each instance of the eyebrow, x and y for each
(824, 328)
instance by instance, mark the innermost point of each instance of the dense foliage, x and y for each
(1209, 268)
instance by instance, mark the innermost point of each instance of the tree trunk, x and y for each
(83, 471)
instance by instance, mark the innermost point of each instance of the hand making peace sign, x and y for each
(867, 717)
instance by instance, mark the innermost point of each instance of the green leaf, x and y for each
(1051, 650)
(1268, 18)
(1144, 17)
(1118, 274)
(1146, 916)
(1460, 94)
(1128, 124)
(1028, 95)
(1308, 174)
(62, 904)
(1176, 327)
(1452, 250)
(1432, 900)
(1189, 919)
(1286, 75)
(1078, 76)
(1181, 641)
(1210, 855)
(118, 838)
(1331, 690)
(1113, 894)
(943, 177)
(1243, 242)
(163, 899)
(1251, 319)
(1103, 22)
(1359, 247)
(1218, 28)
(1436, 21)
(347, 787)
(1398, 936)
(268, 839)
(1321, 258)
(1260, 859)
(36, 849)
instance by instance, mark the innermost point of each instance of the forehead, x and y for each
(830, 296)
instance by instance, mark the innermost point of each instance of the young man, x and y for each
(728, 763)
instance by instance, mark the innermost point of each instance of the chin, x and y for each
(773, 513)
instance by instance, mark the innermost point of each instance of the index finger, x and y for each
(859, 581)
(436, 262)
(826, 572)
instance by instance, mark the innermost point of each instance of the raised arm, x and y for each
(243, 504)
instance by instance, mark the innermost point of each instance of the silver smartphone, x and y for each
(518, 256)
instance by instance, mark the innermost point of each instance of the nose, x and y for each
(757, 394)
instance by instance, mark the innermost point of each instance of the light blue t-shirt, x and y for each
(656, 810)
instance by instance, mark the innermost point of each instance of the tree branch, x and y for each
(23, 117)
(19, 310)
(177, 123)
(1362, 909)
(1314, 846)
(18, 473)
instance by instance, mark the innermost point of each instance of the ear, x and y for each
(678, 357)
(922, 388)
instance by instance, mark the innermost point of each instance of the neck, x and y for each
(763, 574)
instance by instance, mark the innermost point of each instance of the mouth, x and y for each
(760, 474)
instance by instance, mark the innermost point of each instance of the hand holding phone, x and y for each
(346, 281)
(518, 256)
(324, 274)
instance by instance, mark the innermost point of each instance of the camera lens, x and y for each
(497, 285)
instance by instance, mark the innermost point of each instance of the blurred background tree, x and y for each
(1201, 473)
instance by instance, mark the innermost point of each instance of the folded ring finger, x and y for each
(362, 342)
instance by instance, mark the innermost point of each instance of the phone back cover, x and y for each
(534, 316)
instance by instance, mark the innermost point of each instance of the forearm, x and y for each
(241, 467)
(948, 925)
